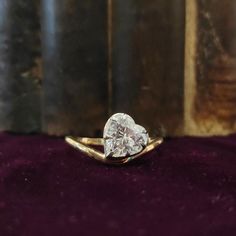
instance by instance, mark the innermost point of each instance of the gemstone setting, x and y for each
(123, 137)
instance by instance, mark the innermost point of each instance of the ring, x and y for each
(123, 141)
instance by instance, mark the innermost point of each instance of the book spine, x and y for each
(20, 63)
(210, 90)
(148, 62)
(75, 59)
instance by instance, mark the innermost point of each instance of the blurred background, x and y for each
(67, 65)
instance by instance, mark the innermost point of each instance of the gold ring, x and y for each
(123, 140)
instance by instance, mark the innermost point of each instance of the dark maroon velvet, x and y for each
(186, 187)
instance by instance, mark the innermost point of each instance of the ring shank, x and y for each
(99, 141)
(82, 144)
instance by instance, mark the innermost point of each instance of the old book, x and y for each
(147, 62)
(75, 92)
(20, 66)
(170, 64)
(210, 68)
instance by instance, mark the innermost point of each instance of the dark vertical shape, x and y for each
(148, 61)
(75, 66)
(125, 85)
(20, 75)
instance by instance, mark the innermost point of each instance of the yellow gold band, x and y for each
(82, 144)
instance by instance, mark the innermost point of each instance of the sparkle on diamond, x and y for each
(123, 137)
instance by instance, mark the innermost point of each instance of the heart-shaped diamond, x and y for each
(122, 137)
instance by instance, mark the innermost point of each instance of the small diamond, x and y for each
(123, 137)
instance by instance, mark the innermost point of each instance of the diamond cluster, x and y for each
(122, 137)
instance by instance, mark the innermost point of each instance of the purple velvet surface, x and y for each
(186, 187)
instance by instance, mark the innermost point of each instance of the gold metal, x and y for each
(82, 144)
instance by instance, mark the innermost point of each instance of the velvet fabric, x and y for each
(185, 187)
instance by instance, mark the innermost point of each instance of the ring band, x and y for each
(123, 141)
(81, 143)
